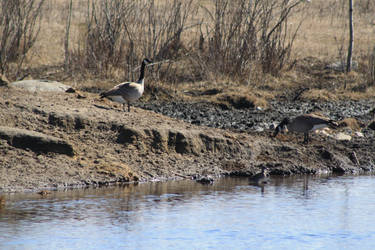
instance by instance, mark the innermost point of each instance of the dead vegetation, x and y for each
(264, 49)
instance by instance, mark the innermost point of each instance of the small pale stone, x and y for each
(359, 134)
(343, 137)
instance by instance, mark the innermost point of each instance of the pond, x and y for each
(330, 212)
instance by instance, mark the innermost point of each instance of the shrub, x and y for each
(120, 33)
(247, 33)
(19, 28)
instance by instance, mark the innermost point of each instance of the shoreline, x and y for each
(112, 146)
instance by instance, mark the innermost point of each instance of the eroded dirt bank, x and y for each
(61, 140)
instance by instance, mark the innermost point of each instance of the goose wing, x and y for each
(315, 119)
(305, 123)
(122, 89)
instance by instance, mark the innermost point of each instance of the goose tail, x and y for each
(333, 123)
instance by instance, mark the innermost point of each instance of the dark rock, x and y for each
(3, 80)
(325, 154)
(338, 169)
(213, 91)
(70, 90)
(372, 125)
(67, 121)
(180, 142)
(37, 142)
(129, 136)
(353, 158)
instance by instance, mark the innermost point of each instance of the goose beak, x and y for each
(333, 124)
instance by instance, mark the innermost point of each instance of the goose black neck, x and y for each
(142, 74)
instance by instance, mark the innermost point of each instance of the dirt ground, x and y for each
(110, 145)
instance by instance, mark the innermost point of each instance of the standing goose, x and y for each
(127, 92)
(304, 124)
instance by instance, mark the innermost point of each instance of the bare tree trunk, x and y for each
(67, 31)
(372, 68)
(351, 38)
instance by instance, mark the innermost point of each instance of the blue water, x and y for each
(289, 213)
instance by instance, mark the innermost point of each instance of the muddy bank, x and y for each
(250, 119)
(109, 145)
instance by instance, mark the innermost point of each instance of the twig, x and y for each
(155, 63)
(160, 62)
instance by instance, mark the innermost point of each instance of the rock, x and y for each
(325, 154)
(359, 134)
(37, 142)
(68, 121)
(130, 136)
(324, 131)
(372, 125)
(183, 143)
(340, 66)
(343, 137)
(41, 86)
(70, 90)
(44, 192)
(353, 158)
(3, 80)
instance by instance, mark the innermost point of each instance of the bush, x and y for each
(19, 28)
(220, 38)
(247, 33)
(120, 33)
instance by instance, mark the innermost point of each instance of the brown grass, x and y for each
(351, 123)
(321, 40)
(240, 100)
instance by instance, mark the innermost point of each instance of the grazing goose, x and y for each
(304, 124)
(127, 92)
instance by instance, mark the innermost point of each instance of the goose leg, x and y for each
(306, 137)
(128, 106)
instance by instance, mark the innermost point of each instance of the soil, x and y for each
(72, 139)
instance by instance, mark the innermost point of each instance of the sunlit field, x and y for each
(195, 47)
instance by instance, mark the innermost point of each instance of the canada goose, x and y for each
(304, 124)
(127, 92)
(260, 178)
(207, 179)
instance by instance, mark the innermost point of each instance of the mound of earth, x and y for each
(60, 139)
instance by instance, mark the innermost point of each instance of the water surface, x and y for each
(289, 213)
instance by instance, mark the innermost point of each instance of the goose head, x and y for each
(281, 126)
(146, 61)
(265, 172)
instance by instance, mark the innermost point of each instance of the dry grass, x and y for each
(325, 30)
(240, 100)
(321, 41)
(351, 123)
(319, 95)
